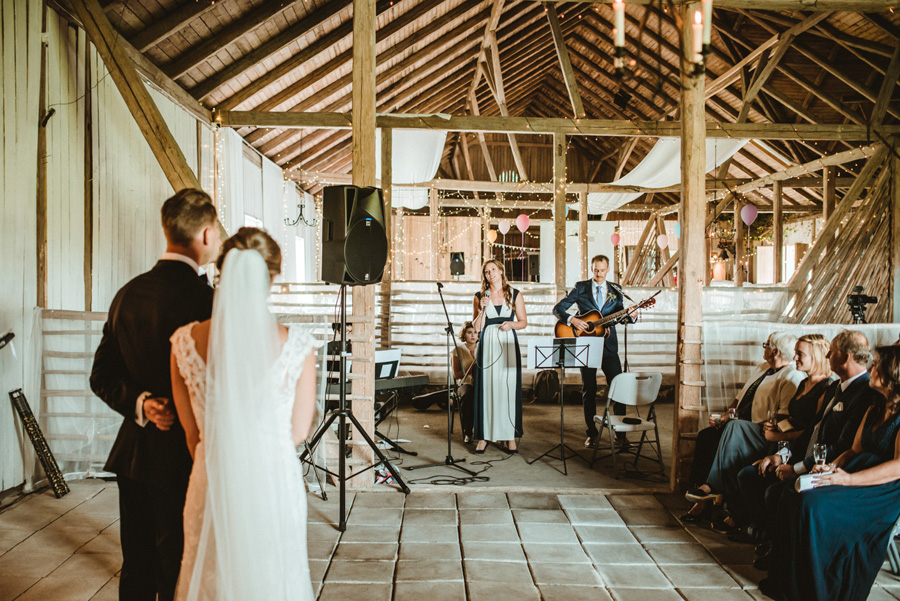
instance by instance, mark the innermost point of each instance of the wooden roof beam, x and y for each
(887, 90)
(564, 63)
(219, 39)
(796, 5)
(170, 24)
(580, 127)
(304, 26)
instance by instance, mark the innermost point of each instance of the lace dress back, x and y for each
(196, 562)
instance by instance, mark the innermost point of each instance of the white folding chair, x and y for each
(893, 554)
(631, 390)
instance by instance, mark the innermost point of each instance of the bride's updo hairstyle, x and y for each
(252, 238)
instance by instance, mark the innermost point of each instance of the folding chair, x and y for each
(632, 390)
(893, 554)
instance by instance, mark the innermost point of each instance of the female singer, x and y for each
(465, 377)
(498, 311)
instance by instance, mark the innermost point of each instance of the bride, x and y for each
(244, 390)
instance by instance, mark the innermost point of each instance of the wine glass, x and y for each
(820, 454)
(784, 450)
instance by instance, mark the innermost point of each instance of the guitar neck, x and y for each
(612, 317)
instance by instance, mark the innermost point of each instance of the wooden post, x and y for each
(829, 178)
(559, 211)
(895, 231)
(738, 244)
(583, 233)
(778, 232)
(41, 192)
(363, 123)
(387, 278)
(690, 280)
(89, 179)
(485, 243)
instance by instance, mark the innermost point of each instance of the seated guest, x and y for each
(835, 536)
(464, 377)
(767, 392)
(743, 442)
(845, 402)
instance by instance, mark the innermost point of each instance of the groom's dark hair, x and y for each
(186, 213)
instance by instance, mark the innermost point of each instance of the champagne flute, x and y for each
(820, 454)
(784, 450)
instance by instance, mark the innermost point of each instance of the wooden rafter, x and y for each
(565, 64)
(138, 100)
(171, 23)
(309, 23)
(887, 90)
(231, 32)
(531, 125)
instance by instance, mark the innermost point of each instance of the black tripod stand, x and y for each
(451, 394)
(342, 414)
(560, 347)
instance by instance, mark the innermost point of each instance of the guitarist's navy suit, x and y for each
(583, 294)
(152, 465)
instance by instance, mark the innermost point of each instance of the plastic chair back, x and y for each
(648, 388)
(624, 388)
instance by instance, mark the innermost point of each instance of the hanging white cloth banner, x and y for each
(661, 168)
(415, 159)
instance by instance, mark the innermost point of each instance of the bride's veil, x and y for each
(240, 525)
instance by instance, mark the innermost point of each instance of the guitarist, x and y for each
(596, 294)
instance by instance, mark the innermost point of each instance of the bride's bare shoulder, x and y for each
(200, 334)
(283, 333)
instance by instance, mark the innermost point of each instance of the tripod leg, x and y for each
(317, 436)
(380, 455)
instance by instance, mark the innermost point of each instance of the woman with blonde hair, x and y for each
(498, 312)
(244, 389)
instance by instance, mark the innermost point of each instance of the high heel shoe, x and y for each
(481, 450)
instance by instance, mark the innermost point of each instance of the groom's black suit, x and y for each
(152, 465)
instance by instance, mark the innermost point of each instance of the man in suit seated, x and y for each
(596, 294)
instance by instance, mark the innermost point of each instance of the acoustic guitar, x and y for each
(598, 325)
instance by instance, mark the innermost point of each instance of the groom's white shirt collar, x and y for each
(167, 256)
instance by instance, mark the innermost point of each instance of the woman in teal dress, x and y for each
(832, 540)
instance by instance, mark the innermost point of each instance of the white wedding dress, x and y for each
(273, 554)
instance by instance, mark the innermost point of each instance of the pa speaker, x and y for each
(457, 263)
(354, 242)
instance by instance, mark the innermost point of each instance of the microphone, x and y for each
(439, 285)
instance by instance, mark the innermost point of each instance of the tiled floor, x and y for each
(440, 546)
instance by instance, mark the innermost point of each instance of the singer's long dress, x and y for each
(498, 377)
(831, 541)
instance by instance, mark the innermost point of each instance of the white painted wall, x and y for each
(599, 243)
(20, 53)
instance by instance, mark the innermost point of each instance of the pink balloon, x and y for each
(503, 226)
(615, 238)
(492, 236)
(749, 213)
(522, 222)
(662, 241)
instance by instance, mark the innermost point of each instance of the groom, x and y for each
(131, 374)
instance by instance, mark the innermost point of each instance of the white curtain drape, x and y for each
(661, 168)
(415, 159)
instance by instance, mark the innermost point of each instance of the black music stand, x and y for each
(560, 353)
